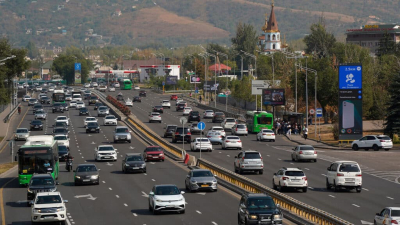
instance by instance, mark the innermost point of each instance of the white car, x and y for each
(62, 119)
(111, 89)
(62, 139)
(304, 152)
(202, 144)
(20, 86)
(38, 88)
(266, 134)
(77, 97)
(239, 129)
(187, 110)
(128, 102)
(344, 174)
(208, 114)
(48, 207)
(51, 89)
(166, 197)
(137, 88)
(110, 120)
(117, 85)
(166, 104)
(68, 97)
(26, 98)
(102, 88)
(72, 104)
(290, 178)
(217, 129)
(389, 215)
(105, 152)
(103, 111)
(374, 142)
(178, 100)
(228, 123)
(231, 142)
(89, 120)
(155, 116)
(80, 105)
(87, 85)
(94, 84)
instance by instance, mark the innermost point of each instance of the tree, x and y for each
(386, 45)
(393, 112)
(33, 51)
(64, 65)
(245, 40)
(319, 42)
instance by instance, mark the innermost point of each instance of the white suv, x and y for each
(49, 207)
(249, 161)
(105, 152)
(166, 104)
(228, 123)
(201, 144)
(290, 178)
(344, 174)
(375, 142)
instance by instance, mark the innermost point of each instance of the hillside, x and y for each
(175, 22)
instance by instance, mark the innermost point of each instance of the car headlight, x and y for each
(29, 190)
(53, 189)
(77, 177)
(277, 217)
(95, 176)
(161, 154)
(253, 217)
(157, 200)
(193, 181)
(61, 209)
(116, 137)
(36, 210)
(143, 165)
(214, 181)
(126, 164)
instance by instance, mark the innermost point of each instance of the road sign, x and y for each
(163, 83)
(319, 112)
(312, 111)
(183, 120)
(201, 125)
(77, 66)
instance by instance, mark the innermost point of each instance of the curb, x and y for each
(331, 147)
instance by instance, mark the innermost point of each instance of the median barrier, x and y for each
(286, 202)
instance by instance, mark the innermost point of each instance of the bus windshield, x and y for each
(35, 163)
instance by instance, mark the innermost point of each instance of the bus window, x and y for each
(264, 120)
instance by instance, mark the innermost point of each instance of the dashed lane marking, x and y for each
(390, 198)
(110, 189)
(117, 196)
(126, 205)
(134, 214)
(356, 205)
(198, 211)
(332, 196)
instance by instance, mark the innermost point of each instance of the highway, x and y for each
(120, 198)
(357, 208)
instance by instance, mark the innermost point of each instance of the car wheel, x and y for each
(115, 141)
(154, 212)
(375, 147)
(273, 185)
(62, 222)
(386, 149)
(358, 189)
(280, 188)
(260, 171)
(335, 187)
(130, 141)
(304, 189)
(355, 147)
(240, 171)
(292, 159)
(315, 160)
(150, 208)
(182, 212)
(328, 186)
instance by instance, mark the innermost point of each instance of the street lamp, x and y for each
(255, 65)
(294, 56)
(205, 72)
(215, 77)
(226, 97)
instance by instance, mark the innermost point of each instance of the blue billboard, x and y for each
(78, 72)
(350, 77)
(172, 80)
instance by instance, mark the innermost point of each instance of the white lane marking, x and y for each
(125, 204)
(390, 198)
(332, 196)
(153, 180)
(365, 189)
(104, 182)
(110, 189)
(292, 163)
(214, 223)
(323, 175)
(117, 196)
(198, 211)
(310, 188)
(83, 157)
(356, 205)
(145, 174)
(306, 169)
(228, 155)
(268, 155)
(134, 214)
(219, 152)
(279, 159)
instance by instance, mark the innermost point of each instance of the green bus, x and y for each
(58, 96)
(38, 155)
(126, 84)
(257, 120)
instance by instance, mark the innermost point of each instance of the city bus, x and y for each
(257, 120)
(126, 84)
(39, 154)
(58, 96)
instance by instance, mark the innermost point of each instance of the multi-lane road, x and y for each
(358, 208)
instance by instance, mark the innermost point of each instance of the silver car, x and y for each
(208, 114)
(194, 129)
(21, 134)
(239, 129)
(103, 111)
(201, 179)
(122, 133)
(249, 161)
(40, 114)
(304, 152)
(215, 137)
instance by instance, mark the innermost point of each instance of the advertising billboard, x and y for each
(210, 86)
(194, 79)
(172, 80)
(258, 85)
(350, 102)
(77, 73)
(273, 96)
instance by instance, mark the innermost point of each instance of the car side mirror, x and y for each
(215, 175)
(242, 206)
(151, 193)
(188, 176)
(115, 149)
(329, 169)
(65, 201)
(378, 214)
(275, 174)
(235, 157)
(278, 206)
(294, 149)
(31, 203)
(57, 183)
(182, 192)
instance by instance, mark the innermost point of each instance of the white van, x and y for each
(344, 174)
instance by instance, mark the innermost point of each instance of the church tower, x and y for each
(272, 35)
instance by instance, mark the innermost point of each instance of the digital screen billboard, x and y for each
(273, 96)
(172, 80)
(195, 79)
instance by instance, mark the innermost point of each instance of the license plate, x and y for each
(36, 126)
(155, 157)
(253, 162)
(106, 157)
(49, 217)
(308, 153)
(135, 168)
(295, 180)
(86, 180)
(268, 135)
(233, 141)
(204, 185)
(93, 129)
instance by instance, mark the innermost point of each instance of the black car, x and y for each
(137, 99)
(61, 124)
(36, 125)
(180, 107)
(66, 106)
(40, 183)
(142, 93)
(93, 99)
(31, 87)
(93, 127)
(83, 111)
(181, 134)
(37, 107)
(86, 174)
(169, 130)
(257, 208)
(218, 117)
(158, 108)
(194, 116)
(86, 96)
(60, 130)
(44, 90)
(62, 152)
(45, 100)
(120, 98)
(97, 105)
(133, 162)
(58, 107)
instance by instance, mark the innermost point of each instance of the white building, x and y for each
(160, 70)
(271, 37)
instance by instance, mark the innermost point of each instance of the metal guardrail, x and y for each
(289, 204)
(8, 117)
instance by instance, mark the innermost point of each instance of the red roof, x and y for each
(219, 67)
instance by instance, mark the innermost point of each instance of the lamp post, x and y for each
(255, 65)
(293, 56)
(215, 78)
(205, 70)
(226, 97)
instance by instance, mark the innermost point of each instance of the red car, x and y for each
(174, 97)
(154, 153)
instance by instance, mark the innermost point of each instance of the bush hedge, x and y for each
(121, 107)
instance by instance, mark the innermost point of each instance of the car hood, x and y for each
(168, 197)
(112, 152)
(110, 119)
(93, 127)
(203, 179)
(42, 187)
(89, 173)
(154, 152)
(42, 206)
(131, 163)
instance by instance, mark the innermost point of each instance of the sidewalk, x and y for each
(301, 141)
(3, 115)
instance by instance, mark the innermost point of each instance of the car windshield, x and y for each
(32, 100)
(36, 122)
(218, 128)
(92, 124)
(83, 109)
(267, 131)
(294, 173)
(209, 111)
(188, 108)
(306, 148)
(165, 101)
(194, 113)
(262, 203)
(171, 128)
(230, 120)
(214, 134)
(79, 103)
(153, 149)
(60, 138)
(395, 212)
(102, 107)
(106, 148)
(60, 130)
(62, 149)
(22, 131)
(110, 117)
(134, 158)
(202, 140)
(91, 119)
(61, 124)
(158, 107)
(241, 126)
(219, 114)
(349, 168)
(62, 118)
(93, 97)
(202, 174)
(57, 104)
(38, 106)
(252, 155)
(167, 190)
(384, 138)
(86, 169)
(48, 199)
(121, 130)
(99, 104)
(42, 181)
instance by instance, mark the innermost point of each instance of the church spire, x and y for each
(272, 25)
